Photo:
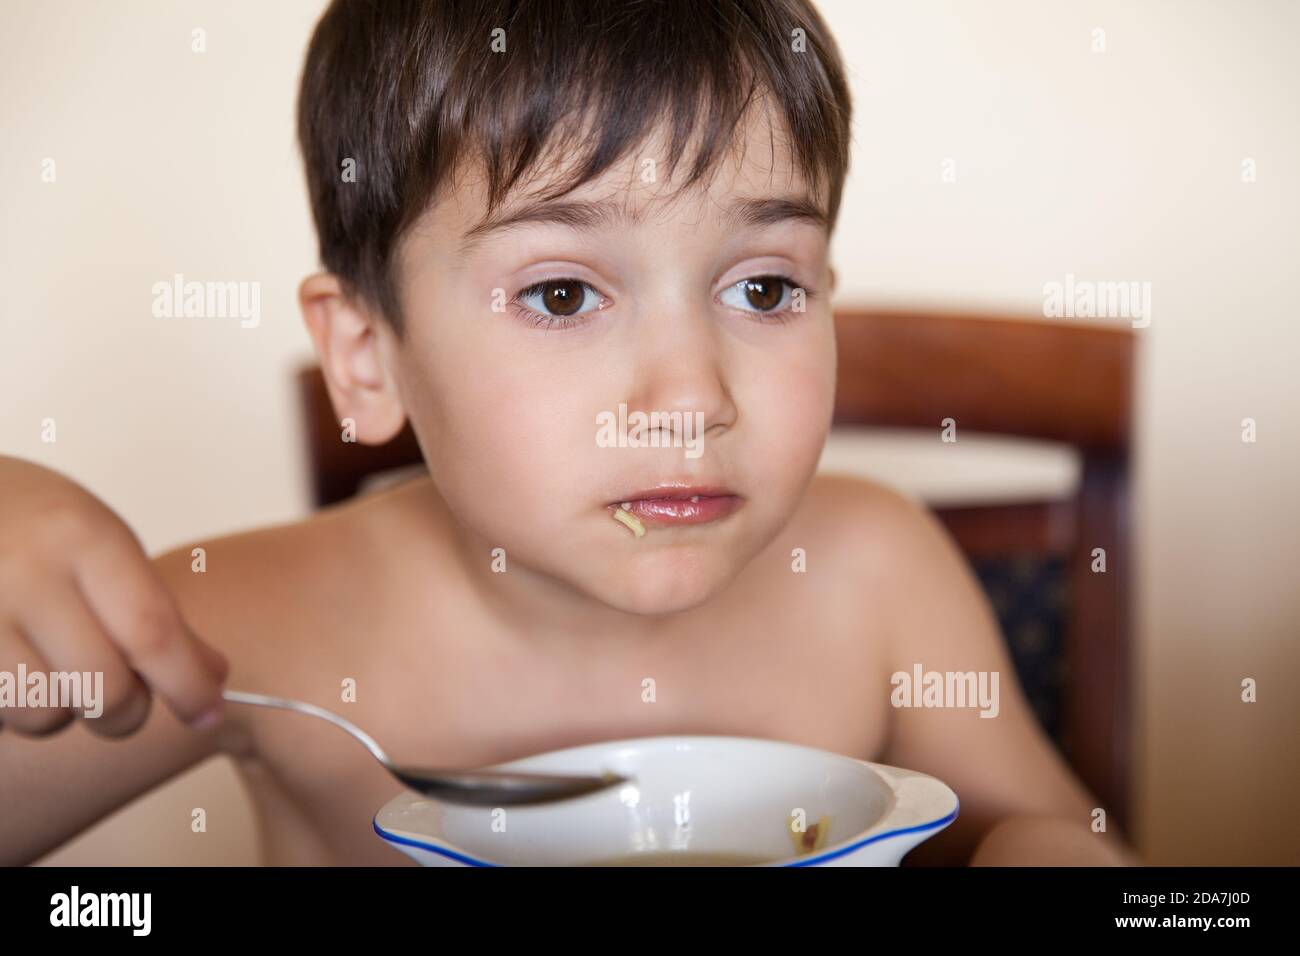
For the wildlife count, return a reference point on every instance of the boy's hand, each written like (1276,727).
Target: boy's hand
(77,593)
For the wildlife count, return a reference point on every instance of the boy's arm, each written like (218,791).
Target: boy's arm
(1020,802)
(54,787)
(79,596)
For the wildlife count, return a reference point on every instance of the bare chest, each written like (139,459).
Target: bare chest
(777,676)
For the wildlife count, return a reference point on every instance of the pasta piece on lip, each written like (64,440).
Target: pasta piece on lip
(625,517)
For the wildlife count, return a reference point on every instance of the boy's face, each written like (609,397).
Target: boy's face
(646,307)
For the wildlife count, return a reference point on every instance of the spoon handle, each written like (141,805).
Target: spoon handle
(284,703)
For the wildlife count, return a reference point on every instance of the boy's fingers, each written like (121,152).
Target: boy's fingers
(127,713)
(217,663)
(137,610)
(15,649)
(71,640)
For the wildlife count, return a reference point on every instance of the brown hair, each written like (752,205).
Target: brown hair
(407,88)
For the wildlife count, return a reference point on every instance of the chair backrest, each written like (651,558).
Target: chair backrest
(1068,383)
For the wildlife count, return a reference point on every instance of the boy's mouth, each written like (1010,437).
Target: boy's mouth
(673,504)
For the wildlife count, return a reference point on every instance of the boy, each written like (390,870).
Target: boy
(534,217)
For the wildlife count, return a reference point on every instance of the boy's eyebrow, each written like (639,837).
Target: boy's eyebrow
(589,216)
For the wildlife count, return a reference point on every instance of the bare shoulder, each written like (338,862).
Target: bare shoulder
(857,496)
(271,598)
(901,561)
(259,571)
(874,528)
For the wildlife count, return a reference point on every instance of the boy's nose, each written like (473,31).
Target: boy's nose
(680,368)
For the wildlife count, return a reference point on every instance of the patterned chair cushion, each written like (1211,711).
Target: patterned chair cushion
(1029,596)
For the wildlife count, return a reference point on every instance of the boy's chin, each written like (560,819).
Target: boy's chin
(666,585)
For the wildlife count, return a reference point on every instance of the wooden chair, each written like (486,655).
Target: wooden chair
(1068,383)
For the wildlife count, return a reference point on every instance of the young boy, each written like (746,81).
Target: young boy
(536,217)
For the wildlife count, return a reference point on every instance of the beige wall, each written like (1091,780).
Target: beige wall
(1122,165)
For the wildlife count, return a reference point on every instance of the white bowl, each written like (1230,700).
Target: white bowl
(703,794)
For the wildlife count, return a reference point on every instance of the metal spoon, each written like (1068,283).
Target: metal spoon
(493,788)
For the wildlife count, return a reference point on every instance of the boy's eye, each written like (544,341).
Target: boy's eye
(560,297)
(758,294)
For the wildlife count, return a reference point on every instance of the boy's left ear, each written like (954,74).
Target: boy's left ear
(834,279)
(346,337)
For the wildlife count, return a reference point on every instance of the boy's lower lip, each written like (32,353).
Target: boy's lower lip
(699,509)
